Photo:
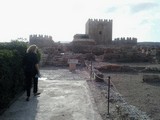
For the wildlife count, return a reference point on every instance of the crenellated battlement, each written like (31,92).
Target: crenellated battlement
(41,40)
(127,40)
(46,37)
(100,20)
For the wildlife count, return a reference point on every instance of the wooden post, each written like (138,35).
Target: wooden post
(108,92)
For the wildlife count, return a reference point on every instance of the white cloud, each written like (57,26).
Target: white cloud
(135,19)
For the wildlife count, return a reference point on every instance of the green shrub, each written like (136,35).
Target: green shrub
(11,71)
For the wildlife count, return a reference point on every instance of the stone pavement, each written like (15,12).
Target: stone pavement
(64,95)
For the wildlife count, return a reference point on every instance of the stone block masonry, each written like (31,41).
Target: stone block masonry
(41,40)
(100,31)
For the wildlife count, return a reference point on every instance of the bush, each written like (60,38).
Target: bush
(11,71)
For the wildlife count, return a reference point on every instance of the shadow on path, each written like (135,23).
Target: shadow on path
(21,109)
(64,96)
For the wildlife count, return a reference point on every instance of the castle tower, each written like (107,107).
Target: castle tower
(100,31)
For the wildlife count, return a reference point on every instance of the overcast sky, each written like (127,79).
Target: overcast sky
(62,19)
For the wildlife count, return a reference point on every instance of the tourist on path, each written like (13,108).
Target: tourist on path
(31,69)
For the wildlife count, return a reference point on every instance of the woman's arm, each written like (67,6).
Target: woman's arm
(37,68)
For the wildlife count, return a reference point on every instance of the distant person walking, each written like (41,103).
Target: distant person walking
(31,69)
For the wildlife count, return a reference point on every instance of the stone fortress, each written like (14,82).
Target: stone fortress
(99,32)
(97,40)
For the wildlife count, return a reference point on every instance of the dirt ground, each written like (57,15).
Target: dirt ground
(144,96)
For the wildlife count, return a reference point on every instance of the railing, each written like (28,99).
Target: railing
(92,72)
(107,79)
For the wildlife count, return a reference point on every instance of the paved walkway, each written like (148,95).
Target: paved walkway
(64,96)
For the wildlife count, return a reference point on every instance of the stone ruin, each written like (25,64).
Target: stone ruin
(98,41)
(115,68)
(61,53)
(126,54)
(151,78)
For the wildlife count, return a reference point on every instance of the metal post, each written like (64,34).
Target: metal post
(91,71)
(108,92)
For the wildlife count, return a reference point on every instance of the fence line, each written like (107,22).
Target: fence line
(92,72)
(110,82)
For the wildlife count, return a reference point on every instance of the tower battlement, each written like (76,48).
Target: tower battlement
(46,37)
(100,20)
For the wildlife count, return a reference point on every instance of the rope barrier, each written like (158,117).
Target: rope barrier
(94,73)
(110,82)
(97,75)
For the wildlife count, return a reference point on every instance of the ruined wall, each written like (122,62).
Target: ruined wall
(99,30)
(41,40)
(126,54)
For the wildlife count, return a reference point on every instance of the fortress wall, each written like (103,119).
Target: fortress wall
(123,40)
(41,40)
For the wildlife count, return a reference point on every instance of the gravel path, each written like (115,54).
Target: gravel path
(64,95)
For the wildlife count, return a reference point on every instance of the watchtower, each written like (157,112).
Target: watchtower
(99,30)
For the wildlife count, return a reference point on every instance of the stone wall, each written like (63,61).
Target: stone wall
(125,54)
(41,40)
(100,31)
(125,41)
(83,42)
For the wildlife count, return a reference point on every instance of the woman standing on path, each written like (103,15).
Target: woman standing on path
(31,69)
